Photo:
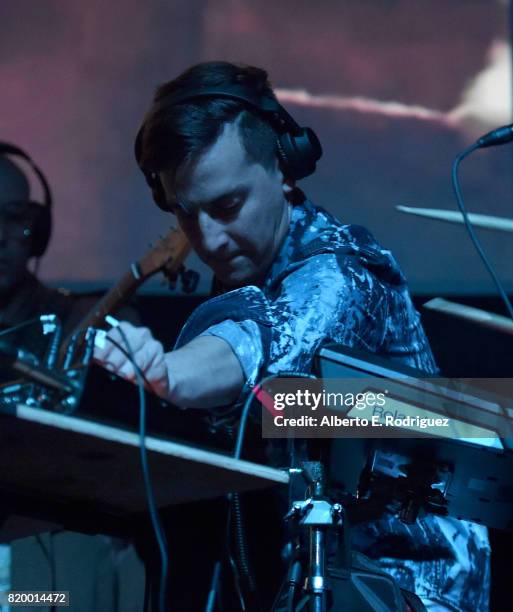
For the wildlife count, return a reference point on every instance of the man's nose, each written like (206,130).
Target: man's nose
(213,235)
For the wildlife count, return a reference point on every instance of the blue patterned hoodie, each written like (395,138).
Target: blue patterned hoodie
(334,283)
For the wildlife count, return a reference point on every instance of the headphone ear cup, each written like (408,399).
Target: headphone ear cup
(41,230)
(153,181)
(299,153)
(157,190)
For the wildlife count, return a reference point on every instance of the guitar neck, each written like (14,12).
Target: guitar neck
(170,254)
(113,299)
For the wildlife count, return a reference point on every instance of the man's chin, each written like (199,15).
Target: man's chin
(236,277)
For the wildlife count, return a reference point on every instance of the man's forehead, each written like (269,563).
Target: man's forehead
(221,168)
(13,182)
(15,207)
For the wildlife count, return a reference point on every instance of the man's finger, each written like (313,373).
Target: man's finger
(127,371)
(145,357)
(128,336)
(117,359)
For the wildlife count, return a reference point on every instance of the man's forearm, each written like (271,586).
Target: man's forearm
(204,373)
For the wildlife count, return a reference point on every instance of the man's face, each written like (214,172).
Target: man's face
(232,209)
(16,221)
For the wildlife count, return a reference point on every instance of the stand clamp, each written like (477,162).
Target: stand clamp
(319,515)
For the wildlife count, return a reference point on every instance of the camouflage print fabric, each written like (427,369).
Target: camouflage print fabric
(446,562)
(334,283)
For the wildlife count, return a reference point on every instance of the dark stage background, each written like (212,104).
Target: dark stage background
(394,88)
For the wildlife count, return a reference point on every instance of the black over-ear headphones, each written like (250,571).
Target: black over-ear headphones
(42,228)
(298,147)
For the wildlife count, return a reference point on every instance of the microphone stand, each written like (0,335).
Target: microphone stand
(52,325)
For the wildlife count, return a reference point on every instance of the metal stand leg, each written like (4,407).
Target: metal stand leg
(371,589)
(319,515)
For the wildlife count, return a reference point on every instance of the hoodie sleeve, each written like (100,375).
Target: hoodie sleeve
(327,298)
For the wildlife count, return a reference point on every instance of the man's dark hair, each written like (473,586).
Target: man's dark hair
(175,134)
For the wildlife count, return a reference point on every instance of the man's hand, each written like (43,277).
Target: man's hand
(202,374)
(148,354)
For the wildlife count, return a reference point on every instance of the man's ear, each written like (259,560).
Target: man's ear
(288,186)
(292,193)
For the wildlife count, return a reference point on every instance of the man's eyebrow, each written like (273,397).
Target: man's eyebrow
(240,189)
(190,205)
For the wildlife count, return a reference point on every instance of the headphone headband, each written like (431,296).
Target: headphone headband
(298,148)
(265,104)
(10,149)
